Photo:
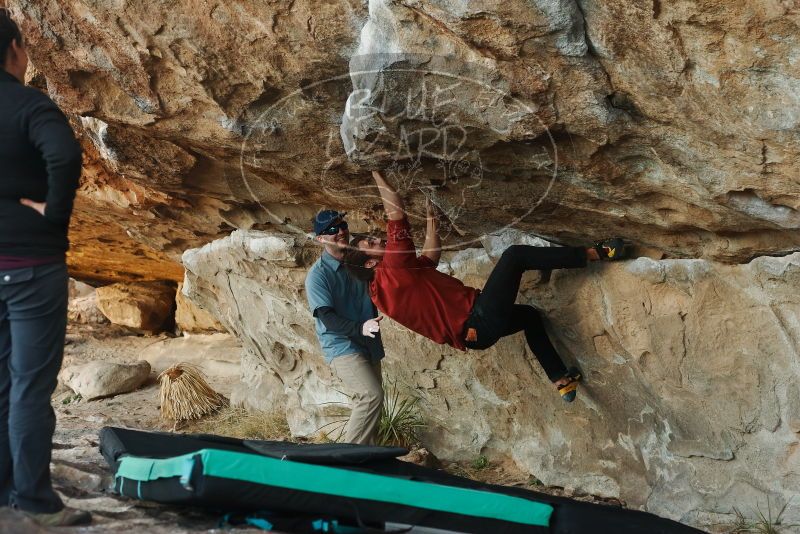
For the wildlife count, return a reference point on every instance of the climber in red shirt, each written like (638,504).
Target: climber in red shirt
(409,289)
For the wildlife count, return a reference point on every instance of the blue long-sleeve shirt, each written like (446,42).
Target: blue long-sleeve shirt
(40,160)
(329,286)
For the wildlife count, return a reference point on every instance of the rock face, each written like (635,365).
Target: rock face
(83,304)
(190,317)
(78,289)
(144,306)
(674,125)
(691,399)
(279,357)
(99,379)
(164,110)
(636,105)
(218,355)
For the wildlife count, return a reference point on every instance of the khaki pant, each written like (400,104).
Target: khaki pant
(362,378)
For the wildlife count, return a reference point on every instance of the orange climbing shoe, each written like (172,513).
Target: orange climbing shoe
(611,249)
(569,390)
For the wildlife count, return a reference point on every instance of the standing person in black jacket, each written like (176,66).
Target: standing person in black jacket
(40,164)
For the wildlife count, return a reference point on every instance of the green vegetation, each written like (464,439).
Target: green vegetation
(399,424)
(76,397)
(533,481)
(481,462)
(762,524)
(400,421)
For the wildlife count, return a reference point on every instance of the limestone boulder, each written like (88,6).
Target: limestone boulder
(143,306)
(279,351)
(689,405)
(218,355)
(99,379)
(66,475)
(78,289)
(422,457)
(189,317)
(18,521)
(82,307)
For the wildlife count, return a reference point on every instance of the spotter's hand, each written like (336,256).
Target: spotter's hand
(369,328)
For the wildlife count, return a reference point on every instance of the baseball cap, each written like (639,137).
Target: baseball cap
(325,218)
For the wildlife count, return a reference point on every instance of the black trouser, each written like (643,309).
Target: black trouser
(33,320)
(495,315)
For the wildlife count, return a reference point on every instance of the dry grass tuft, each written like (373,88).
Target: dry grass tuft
(236,422)
(185,394)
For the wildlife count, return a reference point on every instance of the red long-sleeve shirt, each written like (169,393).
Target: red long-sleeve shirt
(411,291)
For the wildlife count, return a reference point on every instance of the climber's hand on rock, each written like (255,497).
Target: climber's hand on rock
(432,211)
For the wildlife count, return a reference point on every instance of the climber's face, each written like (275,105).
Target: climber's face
(372,246)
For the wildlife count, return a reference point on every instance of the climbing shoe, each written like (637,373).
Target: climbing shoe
(611,249)
(569,390)
(66,517)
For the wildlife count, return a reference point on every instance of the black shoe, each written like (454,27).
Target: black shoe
(611,249)
(66,517)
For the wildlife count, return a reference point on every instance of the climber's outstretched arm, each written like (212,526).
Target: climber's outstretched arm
(392,203)
(433,244)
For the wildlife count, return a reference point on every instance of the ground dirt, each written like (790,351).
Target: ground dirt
(82,477)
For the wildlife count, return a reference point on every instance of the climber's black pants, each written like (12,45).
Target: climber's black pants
(496,315)
(33,320)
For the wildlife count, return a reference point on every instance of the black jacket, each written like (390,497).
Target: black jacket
(39,160)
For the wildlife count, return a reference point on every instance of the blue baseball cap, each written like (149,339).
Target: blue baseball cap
(325,218)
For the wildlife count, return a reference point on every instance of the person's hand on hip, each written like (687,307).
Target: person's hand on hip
(38,206)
